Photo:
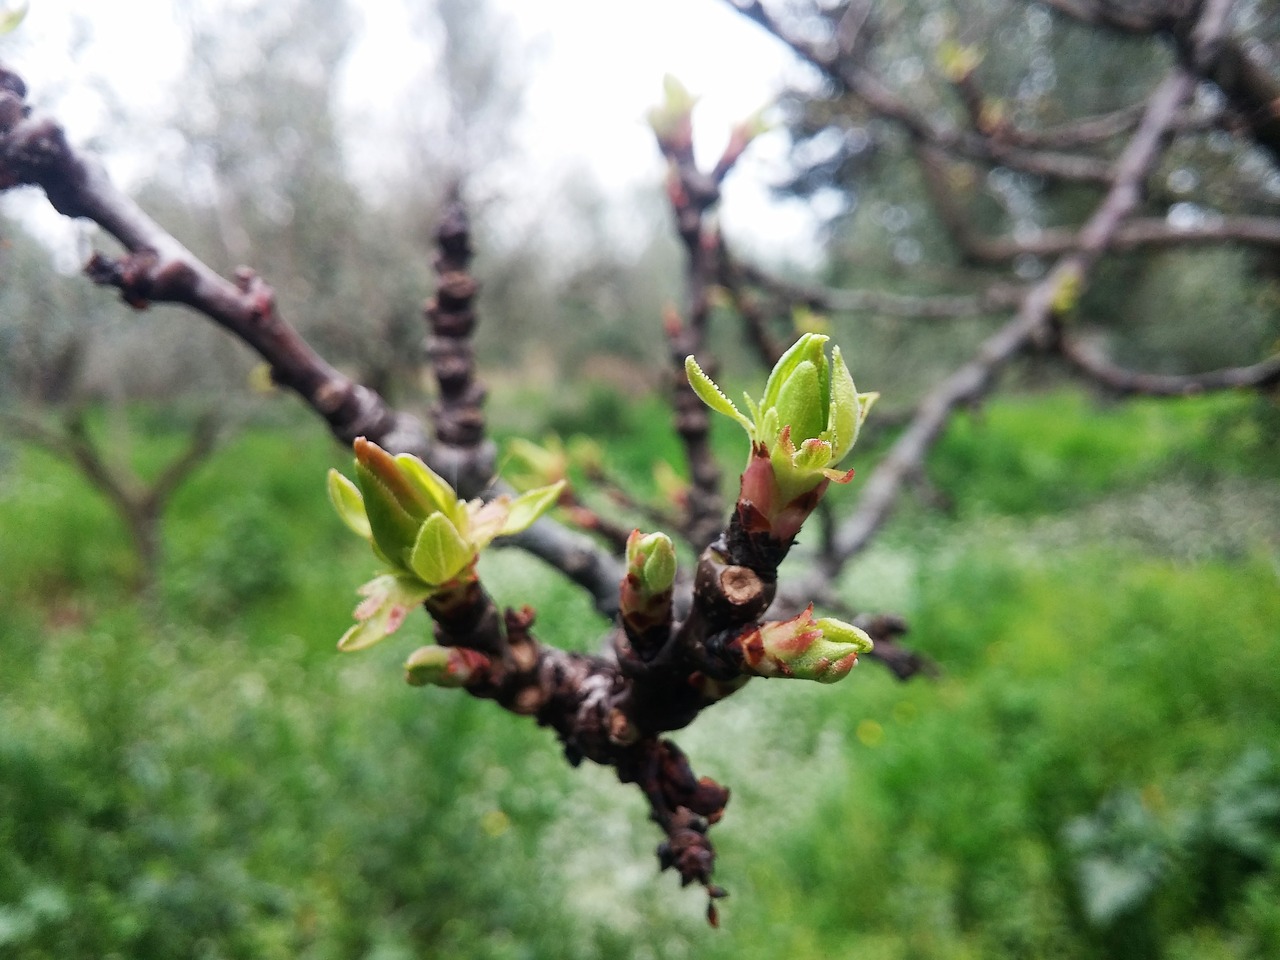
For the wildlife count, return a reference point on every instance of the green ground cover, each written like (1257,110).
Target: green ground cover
(1094,774)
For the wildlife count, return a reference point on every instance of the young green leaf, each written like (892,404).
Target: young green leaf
(388,600)
(346,499)
(440,553)
(711,395)
(529,506)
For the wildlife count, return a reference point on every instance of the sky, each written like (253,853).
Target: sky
(597,68)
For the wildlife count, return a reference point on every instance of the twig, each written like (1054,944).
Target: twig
(1199,32)
(997,297)
(157,268)
(691,193)
(883,102)
(457,415)
(1092,363)
(975,378)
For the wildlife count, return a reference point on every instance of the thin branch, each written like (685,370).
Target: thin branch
(157,268)
(1204,45)
(1141,233)
(1096,366)
(882,101)
(997,297)
(734,277)
(458,413)
(1072,134)
(204,438)
(691,194)
(975,379)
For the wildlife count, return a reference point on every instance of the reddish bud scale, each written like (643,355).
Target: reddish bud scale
(760,506)
(464,668)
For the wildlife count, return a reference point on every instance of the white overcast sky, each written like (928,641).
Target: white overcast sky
(605,57)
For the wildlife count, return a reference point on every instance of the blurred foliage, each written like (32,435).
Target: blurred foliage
(1094,775)
(1175,311)
(260,163)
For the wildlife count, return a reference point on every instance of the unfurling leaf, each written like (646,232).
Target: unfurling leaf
(710,394)
(440,553)
(529,506)
(346,499)
(388,600)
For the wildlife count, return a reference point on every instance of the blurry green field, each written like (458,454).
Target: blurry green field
(1095,774)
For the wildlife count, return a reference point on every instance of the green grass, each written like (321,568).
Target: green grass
(1094,774)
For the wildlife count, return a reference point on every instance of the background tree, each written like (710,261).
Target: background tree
(661,672)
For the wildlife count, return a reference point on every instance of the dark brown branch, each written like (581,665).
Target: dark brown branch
(691,193)
(457,415)
(157,268)
(1132,15)
(975,379)
(599,714)
(614,710)
(1233,65)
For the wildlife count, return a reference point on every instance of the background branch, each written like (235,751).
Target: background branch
(880,491)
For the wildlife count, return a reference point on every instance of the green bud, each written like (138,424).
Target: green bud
(417,525)
(671,118)
(444,666)
(806,422)
(395,508)
(803,648)
(651,561)
(416,522)
(12,13)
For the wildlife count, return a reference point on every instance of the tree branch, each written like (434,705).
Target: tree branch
(974,379)
(883,102)
(157,268)
(1199,31)
(996,298)
(1096,366)
(137,503)
(691,193)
